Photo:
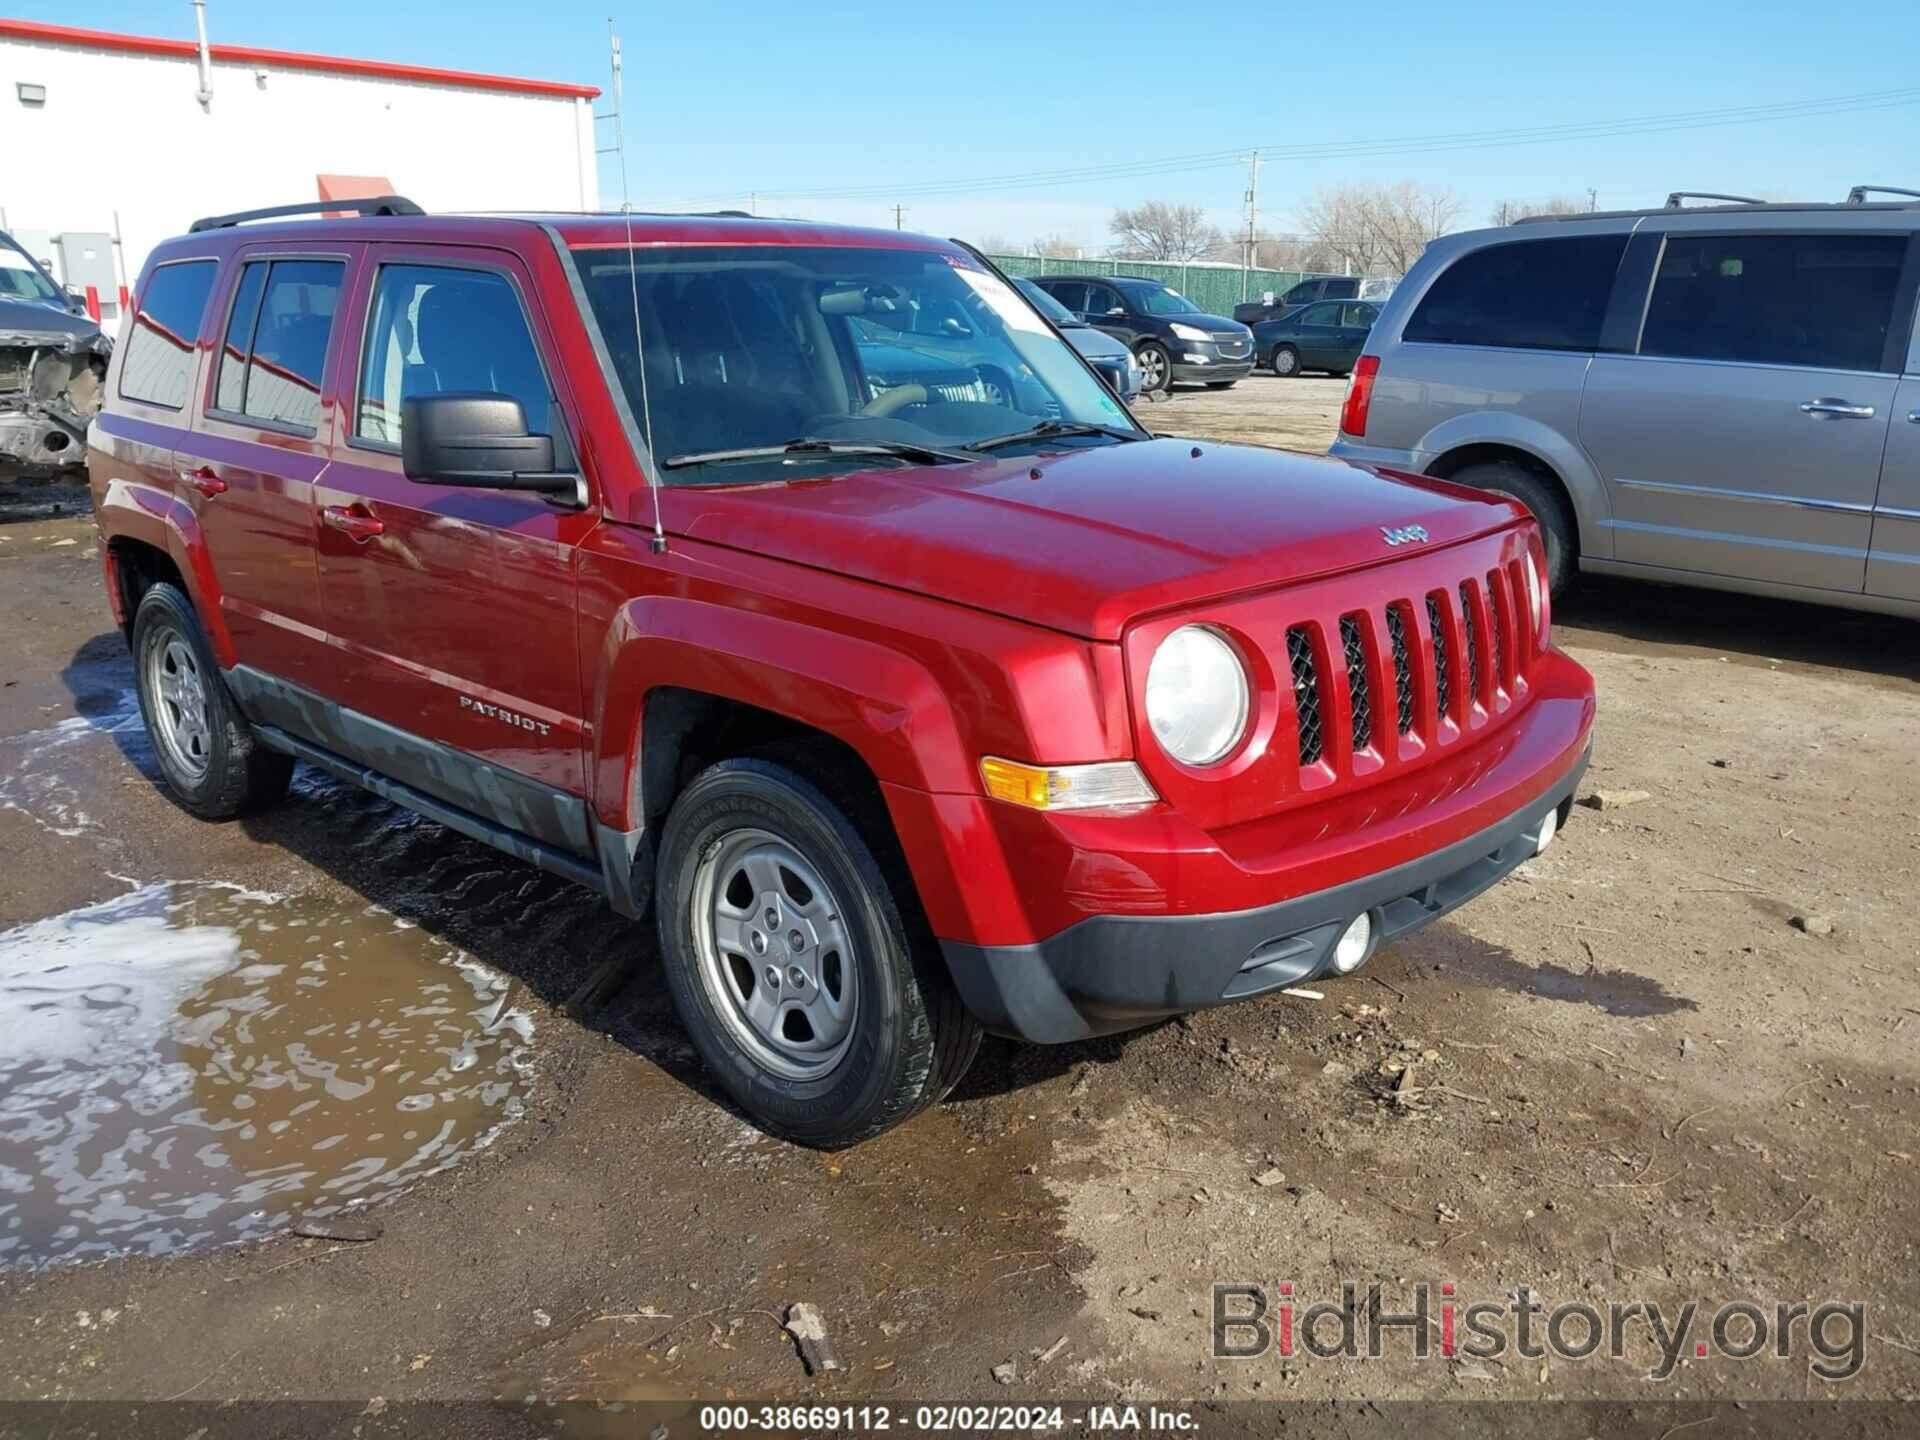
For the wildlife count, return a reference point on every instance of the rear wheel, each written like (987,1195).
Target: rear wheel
(1542,497)
(799,962)
(206,750)
(1285,362)
(1156,366)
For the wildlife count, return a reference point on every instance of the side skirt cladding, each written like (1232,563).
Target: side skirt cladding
(522,817)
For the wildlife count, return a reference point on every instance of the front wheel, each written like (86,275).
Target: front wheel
(1286,361)
(799,965)
(1156,367)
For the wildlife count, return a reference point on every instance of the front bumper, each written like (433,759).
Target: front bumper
(1197,363)
(1116,972)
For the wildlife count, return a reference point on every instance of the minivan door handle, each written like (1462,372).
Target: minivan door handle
(354,522)
(1827,407)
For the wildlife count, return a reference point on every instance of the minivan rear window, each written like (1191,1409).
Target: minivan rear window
(158,366)
(1823,301)
(1525,295)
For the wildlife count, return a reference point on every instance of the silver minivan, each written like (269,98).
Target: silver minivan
(1724,395)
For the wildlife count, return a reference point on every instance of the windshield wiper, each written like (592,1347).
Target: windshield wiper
(1047,429)
(808,445)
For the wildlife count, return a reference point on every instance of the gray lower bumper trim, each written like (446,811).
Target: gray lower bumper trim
(1116,972)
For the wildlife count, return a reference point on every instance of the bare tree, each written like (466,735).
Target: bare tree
(1159,231)
(994,243)
(1508,211)
(1056,247)
(1380,229)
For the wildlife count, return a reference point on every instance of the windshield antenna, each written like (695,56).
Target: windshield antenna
(633,290)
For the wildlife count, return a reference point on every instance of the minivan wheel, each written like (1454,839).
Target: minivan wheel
(1156,366)
(801,969)
(207,752)
(1286,361)
(1549,509)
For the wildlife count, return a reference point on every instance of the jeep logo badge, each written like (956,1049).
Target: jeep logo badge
(1403,534)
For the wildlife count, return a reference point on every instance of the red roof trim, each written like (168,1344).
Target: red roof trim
(286,59)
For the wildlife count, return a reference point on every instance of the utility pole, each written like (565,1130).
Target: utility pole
(1593,199)
(899,212)
(1253,225)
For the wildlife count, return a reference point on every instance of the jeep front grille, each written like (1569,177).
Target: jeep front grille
(1442,658)
(1306,694)
(1402,667)
(1359,694)
(1499,632)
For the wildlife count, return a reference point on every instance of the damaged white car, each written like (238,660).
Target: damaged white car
(53,369)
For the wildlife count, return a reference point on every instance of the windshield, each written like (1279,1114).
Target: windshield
(1162,300)
(758,346)
(1045,303)
(20,278)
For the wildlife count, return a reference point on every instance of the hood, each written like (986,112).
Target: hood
(29,322)
(1087,540)
(1218,324)
(1094,344)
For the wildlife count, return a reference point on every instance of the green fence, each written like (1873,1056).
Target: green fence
(1214,288)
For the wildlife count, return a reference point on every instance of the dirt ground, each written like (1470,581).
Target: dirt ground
(1672,1060)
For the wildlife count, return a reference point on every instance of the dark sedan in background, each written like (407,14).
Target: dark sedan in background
(1113,360)
(1326,335)
(1173,338)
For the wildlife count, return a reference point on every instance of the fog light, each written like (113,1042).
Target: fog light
(1549,827)
(1354,941)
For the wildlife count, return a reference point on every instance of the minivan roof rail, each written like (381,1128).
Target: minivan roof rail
(1674,200)
(1858,194)
(371,205)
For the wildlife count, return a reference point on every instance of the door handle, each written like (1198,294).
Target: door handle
(205,481)
(1913,417)
(355,522)
(1830,408)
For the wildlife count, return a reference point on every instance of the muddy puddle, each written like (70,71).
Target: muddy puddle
(193,1064)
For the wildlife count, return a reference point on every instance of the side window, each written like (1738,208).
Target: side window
(439,329)
(275,346)
(1325,313)
(158,367)
(1102,299)
(1526,294)
(1824,301)
(231,390)
(1356,316)
(1070,293)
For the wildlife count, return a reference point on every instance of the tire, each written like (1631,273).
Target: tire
(898,1038)
(1156,363)
(1285,362)
(1221,384)
(1549,508)
(207,752)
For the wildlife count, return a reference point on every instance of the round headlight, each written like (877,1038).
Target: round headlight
(1197,695)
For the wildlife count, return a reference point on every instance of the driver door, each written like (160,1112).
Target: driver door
(1102,303)
(452,608)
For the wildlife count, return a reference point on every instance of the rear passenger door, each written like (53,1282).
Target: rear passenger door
(1317,327)
(452,609)
(260,442)
(1744,436)
(1893,559)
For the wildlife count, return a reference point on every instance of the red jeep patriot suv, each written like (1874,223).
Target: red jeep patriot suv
(804,584)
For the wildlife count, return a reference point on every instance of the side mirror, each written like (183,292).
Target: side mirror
(479,439)
(1118,310)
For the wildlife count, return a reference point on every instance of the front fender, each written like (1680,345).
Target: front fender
(1560,453)
(883,704)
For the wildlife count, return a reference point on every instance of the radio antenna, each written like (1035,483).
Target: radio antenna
(651,468)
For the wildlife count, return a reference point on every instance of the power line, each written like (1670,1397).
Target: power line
(1371,148)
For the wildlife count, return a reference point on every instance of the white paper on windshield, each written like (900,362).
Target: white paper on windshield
(1014,312)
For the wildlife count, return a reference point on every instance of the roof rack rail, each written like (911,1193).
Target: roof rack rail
(1858,194)
(1674,199)
(372,205)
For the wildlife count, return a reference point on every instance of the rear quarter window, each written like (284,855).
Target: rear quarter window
(1523,295)
(158,366)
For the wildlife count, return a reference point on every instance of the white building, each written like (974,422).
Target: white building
(132,138)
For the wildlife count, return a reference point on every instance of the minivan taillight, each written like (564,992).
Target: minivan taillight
(1353,415)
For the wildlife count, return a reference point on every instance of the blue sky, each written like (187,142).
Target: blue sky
(792,100)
